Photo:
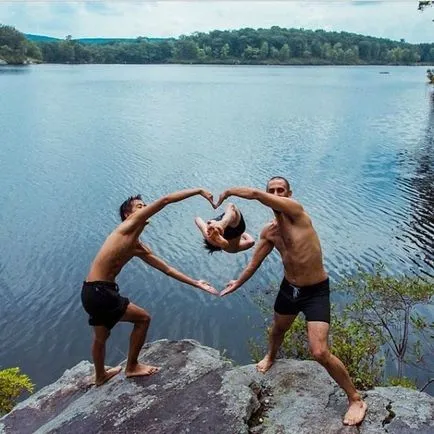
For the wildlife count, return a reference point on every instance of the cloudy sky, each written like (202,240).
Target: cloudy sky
(108,18)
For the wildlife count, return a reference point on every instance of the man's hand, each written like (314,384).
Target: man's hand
(231,286)
(205,286)
(214,228)
(208,196)
(222,198)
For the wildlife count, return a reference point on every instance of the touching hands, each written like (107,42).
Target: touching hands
(208,196)
(205,286)
(214,228)
(231,286)
(223,196)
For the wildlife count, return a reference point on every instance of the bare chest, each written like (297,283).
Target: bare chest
(284,235)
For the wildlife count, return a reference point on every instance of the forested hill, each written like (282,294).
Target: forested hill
(244,46)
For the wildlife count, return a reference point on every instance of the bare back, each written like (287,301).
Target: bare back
(299,247)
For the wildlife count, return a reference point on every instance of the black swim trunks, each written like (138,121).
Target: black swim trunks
(312,300)
(102,301)
(231,233)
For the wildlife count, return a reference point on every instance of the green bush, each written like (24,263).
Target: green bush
(389,307)
(12,384)
(403,382)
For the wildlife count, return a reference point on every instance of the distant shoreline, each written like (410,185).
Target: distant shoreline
(424,64)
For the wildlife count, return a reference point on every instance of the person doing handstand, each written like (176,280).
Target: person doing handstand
(100,293)
(225,232)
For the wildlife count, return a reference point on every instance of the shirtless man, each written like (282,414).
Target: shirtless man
(305,286)
(100,294)
(225,232)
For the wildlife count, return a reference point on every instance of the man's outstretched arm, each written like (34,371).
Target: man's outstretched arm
(283,204)
(263,249)
(142,215)
(146,254)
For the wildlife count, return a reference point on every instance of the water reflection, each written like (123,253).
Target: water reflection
(421,228)
(13,69)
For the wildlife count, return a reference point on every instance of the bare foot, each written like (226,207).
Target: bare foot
(109,373)
(356,413)
(265,364)
(141,370)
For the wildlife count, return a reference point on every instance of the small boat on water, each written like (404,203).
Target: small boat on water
(384,72)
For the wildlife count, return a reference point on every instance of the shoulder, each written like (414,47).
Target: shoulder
(266,230)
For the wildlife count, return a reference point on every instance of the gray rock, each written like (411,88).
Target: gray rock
(3,62)
(198,391)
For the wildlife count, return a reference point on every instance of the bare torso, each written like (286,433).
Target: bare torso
(116,251)
(299,247)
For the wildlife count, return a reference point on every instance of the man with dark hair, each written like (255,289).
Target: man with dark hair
(305,286)
(225,232)
(100,294)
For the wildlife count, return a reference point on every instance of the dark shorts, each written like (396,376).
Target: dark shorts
(102,301)
(313,300)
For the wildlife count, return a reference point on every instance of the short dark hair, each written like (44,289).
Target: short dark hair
(283,179)
(127,206)
(211,247)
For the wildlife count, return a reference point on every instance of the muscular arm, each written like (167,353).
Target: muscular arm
(263,249)
(146,254)
(286,205)
(141,216)
(246,242)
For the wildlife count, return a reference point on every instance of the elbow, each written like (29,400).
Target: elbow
(165,200)
(255,194)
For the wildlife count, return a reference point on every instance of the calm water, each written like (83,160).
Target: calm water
(75,141)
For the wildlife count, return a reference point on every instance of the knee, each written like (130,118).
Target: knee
(144,320)
(101,340)
(321,355)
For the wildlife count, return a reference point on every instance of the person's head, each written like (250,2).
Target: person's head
(130,206)
(279,186)
(211,247)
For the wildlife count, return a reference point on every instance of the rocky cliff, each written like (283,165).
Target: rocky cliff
(198,391)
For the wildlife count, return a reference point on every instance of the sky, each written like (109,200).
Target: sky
(153,18)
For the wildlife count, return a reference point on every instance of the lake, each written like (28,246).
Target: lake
(77,140)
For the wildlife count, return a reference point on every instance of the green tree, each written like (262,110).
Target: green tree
(13,45)
(388,307)
(12,385)
(424,4)
(285,53)
(225,51)
(186,49)
(264,50)
(274,52)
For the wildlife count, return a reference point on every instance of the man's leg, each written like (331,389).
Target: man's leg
(318,342)
(281,325)
(141,320)
(102,375)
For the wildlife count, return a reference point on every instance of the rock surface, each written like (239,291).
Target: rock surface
(198,391)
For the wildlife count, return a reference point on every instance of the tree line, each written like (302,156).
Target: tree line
(244,46)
